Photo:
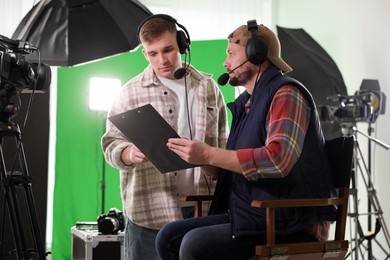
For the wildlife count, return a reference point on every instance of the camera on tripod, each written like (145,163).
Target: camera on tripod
(112,222)
(364,106)
(17,75)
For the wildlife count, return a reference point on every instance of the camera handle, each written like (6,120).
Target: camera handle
(11,179)
(384,145)
(348,129)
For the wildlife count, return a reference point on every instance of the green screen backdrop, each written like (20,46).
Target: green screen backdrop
(79,158)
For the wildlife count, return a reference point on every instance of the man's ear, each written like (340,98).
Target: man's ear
(145,54)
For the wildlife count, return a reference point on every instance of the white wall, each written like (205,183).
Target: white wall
(212,19)
(11,12)
(355,35)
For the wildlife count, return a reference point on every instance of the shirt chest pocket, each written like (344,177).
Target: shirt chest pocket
(212,122)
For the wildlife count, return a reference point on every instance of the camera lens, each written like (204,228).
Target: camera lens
(108,225)
(111,222)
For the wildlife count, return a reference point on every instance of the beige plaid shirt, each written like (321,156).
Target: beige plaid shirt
(149,197)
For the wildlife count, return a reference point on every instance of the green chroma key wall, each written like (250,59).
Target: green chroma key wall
(78,165)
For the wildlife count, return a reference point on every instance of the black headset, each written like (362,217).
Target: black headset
(256,50)
(182,37)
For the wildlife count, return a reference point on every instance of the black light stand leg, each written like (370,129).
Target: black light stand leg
(10,180)
(103,184)
(369,187)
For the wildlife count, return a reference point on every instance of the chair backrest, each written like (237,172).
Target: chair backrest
(340,155)
(340,158)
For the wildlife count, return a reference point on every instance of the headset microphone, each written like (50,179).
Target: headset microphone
(224,78)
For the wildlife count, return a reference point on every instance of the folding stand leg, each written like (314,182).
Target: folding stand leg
(11,179)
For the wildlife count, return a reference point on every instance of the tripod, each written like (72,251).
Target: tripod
(10,180)
(359,237)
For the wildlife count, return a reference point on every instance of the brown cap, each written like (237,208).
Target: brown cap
(242,35)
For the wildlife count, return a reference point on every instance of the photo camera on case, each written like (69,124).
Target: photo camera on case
(111,223)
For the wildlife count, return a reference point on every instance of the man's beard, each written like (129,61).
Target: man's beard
(243,78)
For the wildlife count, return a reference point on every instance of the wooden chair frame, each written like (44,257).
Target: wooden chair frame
(340,155)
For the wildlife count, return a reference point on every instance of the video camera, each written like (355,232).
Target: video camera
(364,106)
(17,75)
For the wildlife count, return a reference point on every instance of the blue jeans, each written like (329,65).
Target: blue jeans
(208,237)
(140,241)
(211,238)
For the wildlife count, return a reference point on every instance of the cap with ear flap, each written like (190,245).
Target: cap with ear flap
(243,36)
(182,36)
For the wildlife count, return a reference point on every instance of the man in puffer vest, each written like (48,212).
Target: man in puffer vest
(275,150)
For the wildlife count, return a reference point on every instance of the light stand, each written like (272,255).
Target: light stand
(359,237)
(102,92)
(103,183)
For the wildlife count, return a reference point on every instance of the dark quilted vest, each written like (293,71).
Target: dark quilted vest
(309,177)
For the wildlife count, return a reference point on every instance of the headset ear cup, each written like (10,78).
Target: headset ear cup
(182,42)
(256,50)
